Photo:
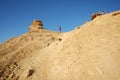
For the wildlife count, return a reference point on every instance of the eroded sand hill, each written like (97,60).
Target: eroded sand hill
(89,52)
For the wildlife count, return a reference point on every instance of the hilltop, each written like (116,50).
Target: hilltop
(89,52)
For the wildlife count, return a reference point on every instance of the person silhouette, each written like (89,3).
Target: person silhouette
(60,29)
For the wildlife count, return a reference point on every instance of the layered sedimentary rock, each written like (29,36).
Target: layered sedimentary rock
(36,24)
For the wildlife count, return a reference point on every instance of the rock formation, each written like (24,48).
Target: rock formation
(91,52)
(93,16)
(36,24)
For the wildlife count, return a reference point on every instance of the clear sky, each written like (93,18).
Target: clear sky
(17,15)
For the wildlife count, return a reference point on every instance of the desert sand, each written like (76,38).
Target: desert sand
(89,52)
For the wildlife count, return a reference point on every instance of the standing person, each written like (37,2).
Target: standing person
(60,29)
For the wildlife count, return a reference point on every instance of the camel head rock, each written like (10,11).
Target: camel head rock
(36,24)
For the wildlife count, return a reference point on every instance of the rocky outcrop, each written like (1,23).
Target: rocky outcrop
(36,24)
(93,16)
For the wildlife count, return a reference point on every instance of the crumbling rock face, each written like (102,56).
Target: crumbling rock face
(36,24)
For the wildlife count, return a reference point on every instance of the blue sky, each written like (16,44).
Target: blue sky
(17,15)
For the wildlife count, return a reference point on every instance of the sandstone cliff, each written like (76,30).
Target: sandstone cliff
(89,52)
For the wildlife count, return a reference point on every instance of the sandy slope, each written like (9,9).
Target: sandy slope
(90,52)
